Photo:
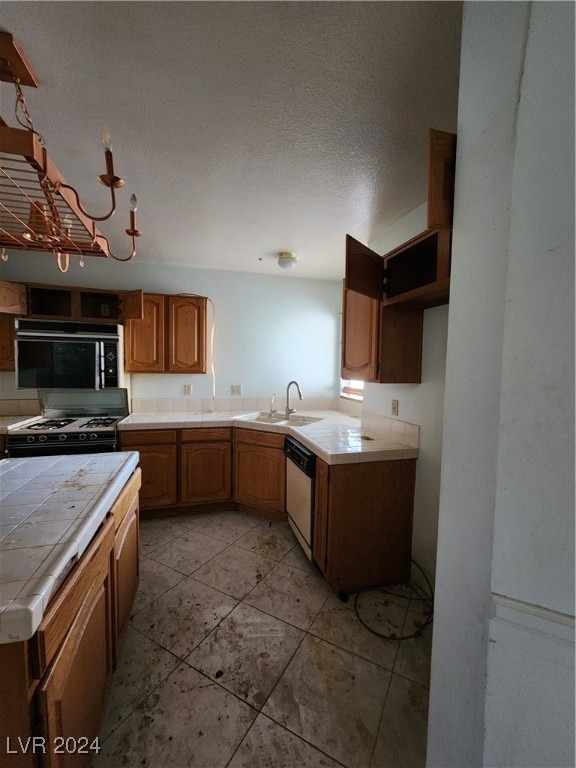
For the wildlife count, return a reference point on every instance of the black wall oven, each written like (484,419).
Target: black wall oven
(56,354)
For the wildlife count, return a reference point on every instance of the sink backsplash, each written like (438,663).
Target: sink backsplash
(229,405)
(403,431)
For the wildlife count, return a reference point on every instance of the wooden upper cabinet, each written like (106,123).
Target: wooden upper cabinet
(417,273)
(170,338)
(132,305)
(144,339)
(379,343)
(12,298)
(360,337)
(7,339)
(186,334)
(441,169)
(60,303)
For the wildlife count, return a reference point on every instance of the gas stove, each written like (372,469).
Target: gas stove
(70,425)
(73,421)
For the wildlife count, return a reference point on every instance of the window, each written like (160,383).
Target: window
(352,388)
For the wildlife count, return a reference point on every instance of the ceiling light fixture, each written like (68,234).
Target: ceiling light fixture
(39,211)
(286,260)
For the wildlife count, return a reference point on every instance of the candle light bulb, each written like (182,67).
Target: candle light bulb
(107,140)
(133,203)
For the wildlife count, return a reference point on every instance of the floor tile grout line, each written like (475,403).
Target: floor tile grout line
(292,733)
(380,721)
(352,653)
(179,660)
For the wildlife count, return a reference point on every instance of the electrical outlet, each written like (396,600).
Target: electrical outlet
(394,407)
(187,389)
(236,389)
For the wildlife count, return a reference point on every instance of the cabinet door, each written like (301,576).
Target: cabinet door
(360,315)
(441,170)
(12,298)
(320,538)
(186,334)
(132,307)
(72,695)
(206,472)
(364,269)
(158,464)
(401,345)
(126,574)
(7,338)
(144,339)
(260,476)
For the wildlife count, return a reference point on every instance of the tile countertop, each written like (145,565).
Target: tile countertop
(336,438)
(50,509)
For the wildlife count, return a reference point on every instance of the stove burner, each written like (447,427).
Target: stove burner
(51,424)
(100,421)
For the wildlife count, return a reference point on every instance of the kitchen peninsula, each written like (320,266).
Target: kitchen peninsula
(362,497)
(68,575)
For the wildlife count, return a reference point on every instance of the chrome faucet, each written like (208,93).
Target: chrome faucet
(288,409)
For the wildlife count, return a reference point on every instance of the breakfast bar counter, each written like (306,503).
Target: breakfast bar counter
(50,510)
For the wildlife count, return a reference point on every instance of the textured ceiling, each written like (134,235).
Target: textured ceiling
(245,128)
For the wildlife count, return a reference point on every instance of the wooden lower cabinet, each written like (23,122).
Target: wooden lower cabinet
(206,465)
(126,570)
(158,462)
(71,698)
(363,523)
(53,686)
(260,470)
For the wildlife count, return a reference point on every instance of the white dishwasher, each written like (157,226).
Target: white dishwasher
(300,472)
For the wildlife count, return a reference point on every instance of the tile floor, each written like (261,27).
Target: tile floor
(238,655)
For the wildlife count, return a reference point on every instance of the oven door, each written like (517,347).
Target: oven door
(59,364)
(18,449)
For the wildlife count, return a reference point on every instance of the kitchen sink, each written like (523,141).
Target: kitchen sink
(296,420)
(265,418)
(301,421)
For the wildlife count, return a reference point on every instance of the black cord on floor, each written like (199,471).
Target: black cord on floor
(427,599)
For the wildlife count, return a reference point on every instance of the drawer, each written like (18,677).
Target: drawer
(211,435)
(257,437)
(128,499)
(147,437)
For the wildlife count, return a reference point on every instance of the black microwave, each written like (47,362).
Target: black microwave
(68,355)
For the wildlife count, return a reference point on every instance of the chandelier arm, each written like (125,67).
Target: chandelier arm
(60,185)
(118,258)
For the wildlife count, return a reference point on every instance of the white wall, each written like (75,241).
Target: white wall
(502,685)
(268,329)
(421,404)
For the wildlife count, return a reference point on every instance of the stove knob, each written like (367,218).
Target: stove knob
(82,436)
(62,437)
(42,438)
(30,438)
(93,436)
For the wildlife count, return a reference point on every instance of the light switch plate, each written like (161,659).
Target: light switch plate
(236,389)
(394,407)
